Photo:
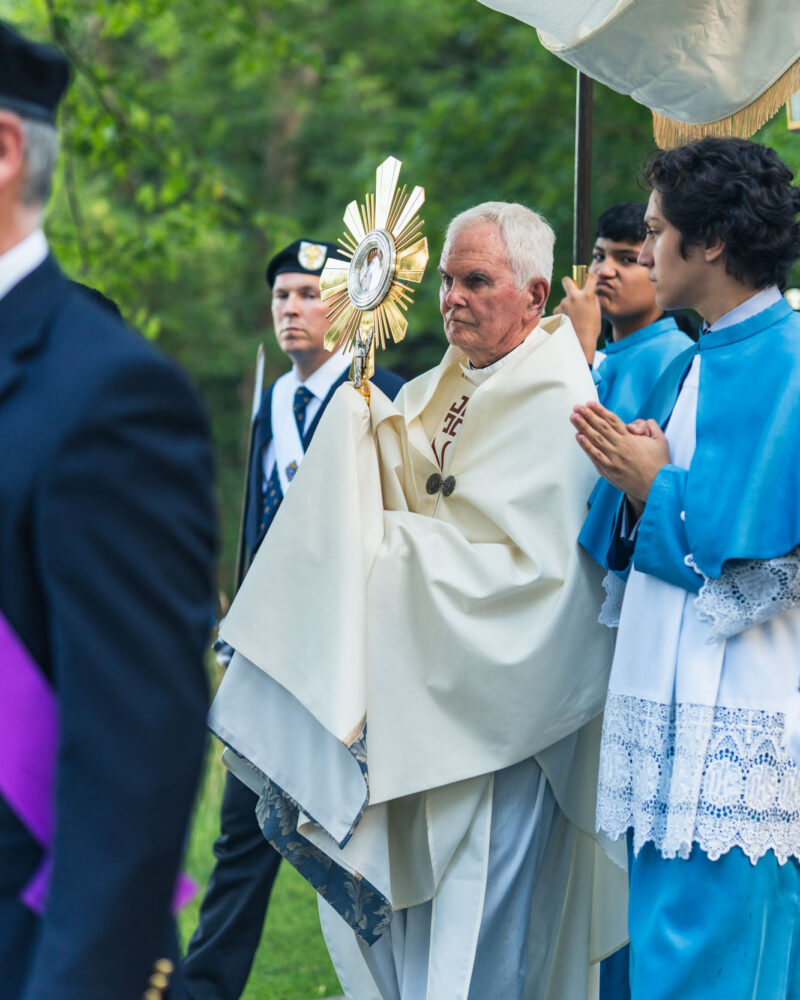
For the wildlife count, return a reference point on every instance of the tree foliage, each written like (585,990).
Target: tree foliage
(199,138)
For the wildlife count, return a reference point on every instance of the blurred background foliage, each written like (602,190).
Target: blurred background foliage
(199,137)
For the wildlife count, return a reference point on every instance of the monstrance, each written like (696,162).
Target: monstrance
(370,294)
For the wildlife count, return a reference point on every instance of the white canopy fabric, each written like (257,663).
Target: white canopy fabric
(727,65)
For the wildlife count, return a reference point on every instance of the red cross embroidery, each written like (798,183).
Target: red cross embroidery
(454,417)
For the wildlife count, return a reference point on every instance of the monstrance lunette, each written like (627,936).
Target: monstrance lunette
(370,294)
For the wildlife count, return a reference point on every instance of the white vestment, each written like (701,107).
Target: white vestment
(454,636)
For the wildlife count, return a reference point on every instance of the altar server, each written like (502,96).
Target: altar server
(701,511)
(642,338)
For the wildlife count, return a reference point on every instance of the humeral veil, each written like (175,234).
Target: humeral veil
(445,637)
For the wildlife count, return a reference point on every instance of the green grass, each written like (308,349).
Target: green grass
(292,962)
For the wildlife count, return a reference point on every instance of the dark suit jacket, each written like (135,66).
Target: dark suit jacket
(107,536)
(386,381)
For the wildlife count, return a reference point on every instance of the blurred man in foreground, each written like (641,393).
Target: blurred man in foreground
(423,755)
(107,536)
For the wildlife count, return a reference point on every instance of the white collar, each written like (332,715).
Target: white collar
(750,307)
(320,381)
(479,375)
(18,262)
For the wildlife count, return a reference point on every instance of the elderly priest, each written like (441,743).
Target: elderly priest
(426,755)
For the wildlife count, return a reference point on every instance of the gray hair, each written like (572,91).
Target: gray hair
(527,236)
(41,153)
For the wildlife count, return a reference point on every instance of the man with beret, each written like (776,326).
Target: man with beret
(222,949)
(107,533)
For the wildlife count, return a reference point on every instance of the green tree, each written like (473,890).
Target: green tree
(199,138)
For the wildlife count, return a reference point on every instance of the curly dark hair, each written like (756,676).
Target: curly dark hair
(735,191)
(623,222)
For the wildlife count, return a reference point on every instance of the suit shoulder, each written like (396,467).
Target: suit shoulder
(95,350)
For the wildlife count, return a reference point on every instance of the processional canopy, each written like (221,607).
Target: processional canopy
(704,67)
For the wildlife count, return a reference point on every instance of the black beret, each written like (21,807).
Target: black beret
(302,257)
(33,77)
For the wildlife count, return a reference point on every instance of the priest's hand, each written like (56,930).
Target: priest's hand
(629,456)
(582,308)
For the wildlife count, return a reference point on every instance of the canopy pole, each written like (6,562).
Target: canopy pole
(582,227)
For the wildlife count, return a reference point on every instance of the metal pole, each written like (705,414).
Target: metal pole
(582,229)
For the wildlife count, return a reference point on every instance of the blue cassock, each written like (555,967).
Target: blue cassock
(386,381)
(633,365)
(107,535)
(740,498)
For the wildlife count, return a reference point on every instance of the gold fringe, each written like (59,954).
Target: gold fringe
(669,133)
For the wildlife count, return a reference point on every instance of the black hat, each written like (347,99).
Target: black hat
(33,77)
(302,257)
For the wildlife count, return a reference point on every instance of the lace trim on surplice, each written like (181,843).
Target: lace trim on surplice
(685,774)
(748,592)
(614,587)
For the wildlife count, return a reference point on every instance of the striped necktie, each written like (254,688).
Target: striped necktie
(272,498)
(273,493)
(302,398)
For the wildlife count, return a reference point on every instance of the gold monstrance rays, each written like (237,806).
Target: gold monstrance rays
(387,252)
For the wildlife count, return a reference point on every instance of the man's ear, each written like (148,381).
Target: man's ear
(713,251)
(538,291)
(12,148)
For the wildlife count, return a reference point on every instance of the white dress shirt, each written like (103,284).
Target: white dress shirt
(18,262)
(286,443)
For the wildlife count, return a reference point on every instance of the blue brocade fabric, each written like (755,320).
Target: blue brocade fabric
(358,902)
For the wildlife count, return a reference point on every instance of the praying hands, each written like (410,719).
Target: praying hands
(629,456)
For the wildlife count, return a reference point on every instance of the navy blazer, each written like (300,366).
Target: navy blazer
(386,381)
(107,538)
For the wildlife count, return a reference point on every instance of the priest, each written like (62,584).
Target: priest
(426,755)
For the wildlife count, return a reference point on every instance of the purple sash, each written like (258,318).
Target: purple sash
(28,757)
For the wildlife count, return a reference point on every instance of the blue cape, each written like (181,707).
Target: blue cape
(632,366)
(740,497)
